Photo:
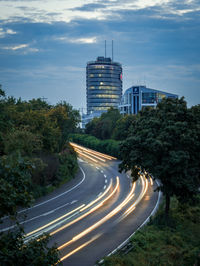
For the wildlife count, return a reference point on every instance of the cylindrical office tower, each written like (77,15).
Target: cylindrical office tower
(104,85)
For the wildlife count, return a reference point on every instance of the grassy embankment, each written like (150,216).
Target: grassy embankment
(159,243)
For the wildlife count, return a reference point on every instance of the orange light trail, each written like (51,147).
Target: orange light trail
(98,198)
(144,189)
(87,213)
(98,158)
(80,208)
(54,221)
(86,156)
(80,247)
(94,152)
(107,217)
(151,181)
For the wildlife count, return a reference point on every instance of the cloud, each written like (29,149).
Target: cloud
(24,47)
(4,32)
(84,40)
(47,11)
(16,47)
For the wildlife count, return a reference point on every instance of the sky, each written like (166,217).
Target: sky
(45,46)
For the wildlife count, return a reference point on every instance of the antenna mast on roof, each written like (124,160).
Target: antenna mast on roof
(112,51)
(105,48)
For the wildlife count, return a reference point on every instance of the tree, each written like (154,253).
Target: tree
(15,176)
(22,140)
(121,130)
(15,183)
(165,143)
(66,119)
(103,126)
(2,92)
(13,251)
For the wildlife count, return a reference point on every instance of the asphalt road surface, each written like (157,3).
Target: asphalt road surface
(93,214)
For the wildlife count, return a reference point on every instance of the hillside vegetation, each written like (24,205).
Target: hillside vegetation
(35,157)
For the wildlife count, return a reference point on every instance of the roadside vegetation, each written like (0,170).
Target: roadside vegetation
(105,133)
(109,146)
(161,143)
(39,133)
(35,157)
(176,243)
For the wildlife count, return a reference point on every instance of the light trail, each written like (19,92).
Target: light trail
(80,208)
(54,221)
(87,213)
(133,206)
(98,198)
(94,152)
(103,220)
(86,156)
(80,247)
(83,152)
(151,181)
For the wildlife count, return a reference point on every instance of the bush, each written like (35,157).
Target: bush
(108,146)
(67,167)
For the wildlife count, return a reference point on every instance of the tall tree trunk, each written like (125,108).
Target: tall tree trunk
(167,206)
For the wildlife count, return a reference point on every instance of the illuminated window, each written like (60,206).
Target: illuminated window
(98,66)
(106,96)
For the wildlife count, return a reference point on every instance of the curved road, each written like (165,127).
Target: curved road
(92,215)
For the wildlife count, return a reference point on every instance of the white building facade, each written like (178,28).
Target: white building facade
(138,97)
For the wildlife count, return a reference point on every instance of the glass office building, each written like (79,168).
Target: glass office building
(138,97)
(104,85)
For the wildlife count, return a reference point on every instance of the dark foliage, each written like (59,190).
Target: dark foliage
(165,142)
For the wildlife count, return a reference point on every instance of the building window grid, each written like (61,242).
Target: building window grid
(104,87)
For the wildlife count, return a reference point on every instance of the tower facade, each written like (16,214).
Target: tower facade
(103,85)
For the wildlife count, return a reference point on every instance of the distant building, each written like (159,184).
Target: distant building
(138,97)
(103,87)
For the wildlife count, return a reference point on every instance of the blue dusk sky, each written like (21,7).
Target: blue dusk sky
(45,46)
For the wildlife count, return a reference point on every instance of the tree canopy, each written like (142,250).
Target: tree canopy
(165,143)
(103,127)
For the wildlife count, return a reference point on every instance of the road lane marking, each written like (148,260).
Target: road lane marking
(63,216)
(106,181)
(91,228)
(60,195)
(36,217)
(103,220)
(97,168)
(74,201)
(44,202)
(98,198)
(104,187)
(86,214)
(47,213)
(55,222)
(105,176)
(102,171)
